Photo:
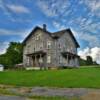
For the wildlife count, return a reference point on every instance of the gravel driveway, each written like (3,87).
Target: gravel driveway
(82,93)
(11,98)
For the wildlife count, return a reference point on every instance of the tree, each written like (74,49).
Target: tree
(89,60)
(13,55)
(82,62)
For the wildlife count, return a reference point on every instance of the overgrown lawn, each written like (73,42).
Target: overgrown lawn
(74,78)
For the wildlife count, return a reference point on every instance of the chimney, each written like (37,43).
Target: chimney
(44,27)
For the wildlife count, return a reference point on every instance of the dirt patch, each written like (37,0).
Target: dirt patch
(91,95)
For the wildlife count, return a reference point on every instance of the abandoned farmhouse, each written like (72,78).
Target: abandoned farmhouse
(45,49)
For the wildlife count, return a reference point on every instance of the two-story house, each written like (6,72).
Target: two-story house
(46,50)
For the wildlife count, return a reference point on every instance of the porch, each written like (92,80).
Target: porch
(37,59)
(71,59)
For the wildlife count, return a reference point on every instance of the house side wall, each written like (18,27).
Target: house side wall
(65,44)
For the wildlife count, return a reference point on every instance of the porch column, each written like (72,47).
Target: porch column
(71,60)
(31,61)
(67,59)
(35,60)
(40,62)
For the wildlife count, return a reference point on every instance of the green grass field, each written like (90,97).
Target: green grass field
(74,78)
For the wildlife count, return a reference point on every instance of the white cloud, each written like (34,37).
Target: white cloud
(93,5)
(93,52)
(18,8)
(45,9)
(3,47)
(58,25)
(93,40)
(23,32)
(53,7)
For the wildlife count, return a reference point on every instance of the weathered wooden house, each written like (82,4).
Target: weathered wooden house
(46,50)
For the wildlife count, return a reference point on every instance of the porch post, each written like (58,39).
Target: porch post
(35,60)
(67,59)
(31,61)
(40,62)
(71,61)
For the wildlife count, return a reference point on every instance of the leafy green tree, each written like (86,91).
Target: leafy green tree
(82,62)
(13,55)
(89,60)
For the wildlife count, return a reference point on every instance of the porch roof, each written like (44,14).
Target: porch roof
(36,53)
(70,54)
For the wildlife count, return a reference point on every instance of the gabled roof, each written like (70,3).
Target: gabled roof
(33,31)
(54,35)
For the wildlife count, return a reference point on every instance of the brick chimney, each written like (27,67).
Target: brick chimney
(44,27)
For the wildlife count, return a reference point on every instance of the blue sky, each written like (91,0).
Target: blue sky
(18,18)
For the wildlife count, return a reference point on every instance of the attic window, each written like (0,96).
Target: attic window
(38,36)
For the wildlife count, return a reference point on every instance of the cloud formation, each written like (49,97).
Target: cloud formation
(94,6)
(15,12)
(23,32)
(79,15)
(18,8)
(53,7)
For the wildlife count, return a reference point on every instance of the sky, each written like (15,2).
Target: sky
(19,17)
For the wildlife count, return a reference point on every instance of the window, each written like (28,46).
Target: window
(41,46)
(59,46)
(60,59)
(34,49)
(38,36)
(48,59)
(28,48)
(71,49)
(48,44)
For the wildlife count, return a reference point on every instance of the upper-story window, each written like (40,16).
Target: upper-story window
(59,45)
(28,48)
(41,45)
(38,36)
(48,44)
(34,49)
